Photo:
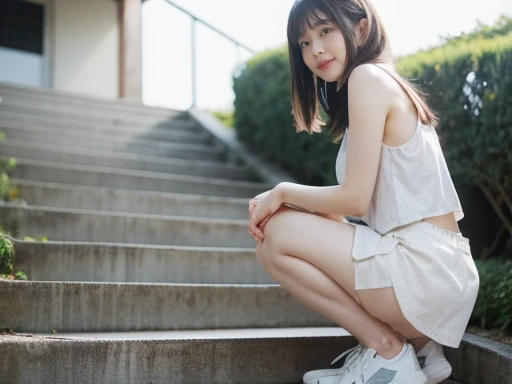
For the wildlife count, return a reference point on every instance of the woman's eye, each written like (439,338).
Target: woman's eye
(303,44)
(326,31)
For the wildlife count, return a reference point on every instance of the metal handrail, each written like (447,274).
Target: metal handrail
(196,19)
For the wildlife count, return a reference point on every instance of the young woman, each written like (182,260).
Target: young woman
(406,283)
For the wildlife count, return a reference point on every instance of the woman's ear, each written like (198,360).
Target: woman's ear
(362,31)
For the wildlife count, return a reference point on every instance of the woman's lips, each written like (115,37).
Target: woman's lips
(325,64)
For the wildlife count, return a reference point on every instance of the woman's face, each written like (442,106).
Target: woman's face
(323,49)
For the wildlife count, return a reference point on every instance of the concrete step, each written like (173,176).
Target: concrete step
(97,103)
(101,227)
(250,356)
(133,180)
(56,108)
(79,140)
(119,200)
(27,115)
(55,126)
(21,106)
(32,306)
(66,261)
(92,157)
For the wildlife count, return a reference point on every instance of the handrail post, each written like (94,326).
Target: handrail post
(194,67)
(193,63)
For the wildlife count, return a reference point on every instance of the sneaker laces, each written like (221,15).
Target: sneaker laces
(353,353)
(357,366)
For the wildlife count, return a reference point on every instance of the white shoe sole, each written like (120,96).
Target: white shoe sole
(437,371)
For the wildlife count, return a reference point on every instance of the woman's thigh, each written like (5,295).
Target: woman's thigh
(327,244)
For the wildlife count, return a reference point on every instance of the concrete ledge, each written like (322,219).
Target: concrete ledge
(164,357)
(66,261)
(119,307)
(99,227)
(133,180)
(258,360)
(481,361)
(126,201)
(227,137)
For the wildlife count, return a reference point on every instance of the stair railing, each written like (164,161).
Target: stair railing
(196,20)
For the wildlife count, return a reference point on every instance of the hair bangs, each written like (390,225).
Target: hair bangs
(303,16)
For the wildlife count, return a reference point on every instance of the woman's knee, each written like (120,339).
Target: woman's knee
(269,251)
(266,254)
(278,225)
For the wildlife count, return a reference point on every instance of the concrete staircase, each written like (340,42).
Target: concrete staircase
(149,275)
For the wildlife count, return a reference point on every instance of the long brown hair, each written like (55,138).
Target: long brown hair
(308,90)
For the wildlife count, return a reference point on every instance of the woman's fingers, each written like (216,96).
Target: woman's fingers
(252,205)
(264,224)
(255,232)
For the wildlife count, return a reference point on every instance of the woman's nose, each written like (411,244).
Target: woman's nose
(318,48)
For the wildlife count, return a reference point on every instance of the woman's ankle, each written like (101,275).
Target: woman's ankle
(389,347)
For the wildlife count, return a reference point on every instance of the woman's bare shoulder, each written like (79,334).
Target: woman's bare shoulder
(373,76)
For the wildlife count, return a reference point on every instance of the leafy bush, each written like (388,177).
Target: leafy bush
(503,26)
(469,85)
(493,307)
(7,261)
(226,117)
(6,166)
(264,122)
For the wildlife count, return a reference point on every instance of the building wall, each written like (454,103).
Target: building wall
(85,48)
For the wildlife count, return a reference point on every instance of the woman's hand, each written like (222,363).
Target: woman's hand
(261,208)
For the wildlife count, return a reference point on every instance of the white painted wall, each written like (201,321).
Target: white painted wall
(20,67)
(86,47)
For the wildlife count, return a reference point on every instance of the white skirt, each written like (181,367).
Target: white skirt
(431,270)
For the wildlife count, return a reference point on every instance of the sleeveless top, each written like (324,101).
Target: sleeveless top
(413,182)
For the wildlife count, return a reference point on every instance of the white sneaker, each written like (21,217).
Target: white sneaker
(370,368)
(431,359)
(433,363)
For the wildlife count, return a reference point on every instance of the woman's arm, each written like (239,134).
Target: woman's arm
(326,215)
(370,99)
(369,103)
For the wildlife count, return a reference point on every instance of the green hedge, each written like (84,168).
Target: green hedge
(264,122)
(468,83)
(493,307)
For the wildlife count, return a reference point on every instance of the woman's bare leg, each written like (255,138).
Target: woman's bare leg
(310,257)
(382,303)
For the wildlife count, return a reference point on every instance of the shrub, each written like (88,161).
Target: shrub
(7,261)
(264,122)
(226,117)
(493,307)
(469,84)
(6,166)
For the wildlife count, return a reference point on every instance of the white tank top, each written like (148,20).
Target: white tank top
(413,182)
